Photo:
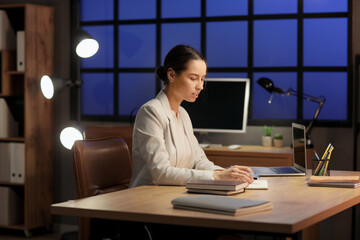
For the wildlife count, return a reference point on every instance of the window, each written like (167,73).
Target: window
(298,44)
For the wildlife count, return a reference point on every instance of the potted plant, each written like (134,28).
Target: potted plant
(267,139)
(278,140)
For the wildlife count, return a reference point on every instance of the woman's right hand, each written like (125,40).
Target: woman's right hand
(241,173)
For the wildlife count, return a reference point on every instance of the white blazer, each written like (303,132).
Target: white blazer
(154,148)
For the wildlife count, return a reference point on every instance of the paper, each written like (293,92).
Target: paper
(260,184)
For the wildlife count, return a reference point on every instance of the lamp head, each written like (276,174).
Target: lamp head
(86,45)
(268,85)
(69,135)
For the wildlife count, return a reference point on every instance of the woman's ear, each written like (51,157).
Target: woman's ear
(171,74)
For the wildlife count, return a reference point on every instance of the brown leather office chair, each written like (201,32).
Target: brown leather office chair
(101,166)
(103,131)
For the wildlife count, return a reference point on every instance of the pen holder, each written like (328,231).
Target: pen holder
(320,167)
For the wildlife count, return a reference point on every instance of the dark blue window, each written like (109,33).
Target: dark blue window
(137,46)
(180,9)
(104,58)
(311,6)
(226,8)
(136,9)
(281,107)
(227,75)
(333,86)
(227,44)
(325,42)
(275,6)
(302,45)
(97,94)
(179,33)
(95,10)
(134,90)
(275,43)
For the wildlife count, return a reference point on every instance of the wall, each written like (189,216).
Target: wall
(337,227)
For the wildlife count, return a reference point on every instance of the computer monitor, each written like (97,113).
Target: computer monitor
(222,106)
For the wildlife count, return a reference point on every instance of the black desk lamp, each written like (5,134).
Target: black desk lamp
(268,85)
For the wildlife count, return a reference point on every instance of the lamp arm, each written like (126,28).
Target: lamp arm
(309,127)
(305,96)
(319,100)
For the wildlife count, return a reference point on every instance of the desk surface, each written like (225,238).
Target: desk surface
(252,149)
(296,206)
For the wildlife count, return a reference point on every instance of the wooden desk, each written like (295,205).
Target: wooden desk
(254,155)
(296,206)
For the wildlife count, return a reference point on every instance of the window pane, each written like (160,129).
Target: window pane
(104,58)
(226,7)
(325,42)
(226,75)
(275,43)
(95,10)
(136,9)
(331,85)
(97,96)
(137,46)
(281,107)
(180,9)
(135,89)
(179,33)
(275,6)
(228,40)
(311,6)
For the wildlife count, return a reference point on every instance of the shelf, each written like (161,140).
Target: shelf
(12,139)
(16,227)
(15,72)
(32,112)
(11,184)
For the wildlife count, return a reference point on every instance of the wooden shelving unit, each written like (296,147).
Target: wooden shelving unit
(21,90)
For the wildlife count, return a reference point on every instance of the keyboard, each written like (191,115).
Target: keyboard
(285,170)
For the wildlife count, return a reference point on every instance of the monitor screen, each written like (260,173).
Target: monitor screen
(222,106)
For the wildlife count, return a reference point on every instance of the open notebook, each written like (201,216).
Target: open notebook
(299,157)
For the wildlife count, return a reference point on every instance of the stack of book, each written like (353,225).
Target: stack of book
(221,204)
(219,187)
(335,181)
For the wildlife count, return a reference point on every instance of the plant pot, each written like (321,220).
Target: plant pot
(278,142)
(267,141)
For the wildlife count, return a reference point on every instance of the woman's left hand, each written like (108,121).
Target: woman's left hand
(236,172)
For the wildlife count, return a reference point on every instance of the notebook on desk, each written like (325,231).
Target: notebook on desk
(299,157)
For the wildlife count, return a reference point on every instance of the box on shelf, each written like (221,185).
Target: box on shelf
(11,207)
(7,34)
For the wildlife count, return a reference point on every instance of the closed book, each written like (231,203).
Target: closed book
(335,184)
(216,184)
(216,192)
(334,181)
(221,204)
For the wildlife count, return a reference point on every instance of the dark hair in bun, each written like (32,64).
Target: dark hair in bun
(177,59)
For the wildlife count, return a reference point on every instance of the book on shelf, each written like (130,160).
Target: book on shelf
(7,34)
(228,185)
(221,204)
(334,181)
(8,125)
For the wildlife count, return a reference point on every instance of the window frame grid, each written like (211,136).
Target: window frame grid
(203,19)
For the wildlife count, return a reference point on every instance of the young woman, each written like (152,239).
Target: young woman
(165,149)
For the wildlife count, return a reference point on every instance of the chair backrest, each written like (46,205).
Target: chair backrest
(101,166)
(103,131)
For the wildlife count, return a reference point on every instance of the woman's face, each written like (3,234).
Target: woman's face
(188,84)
